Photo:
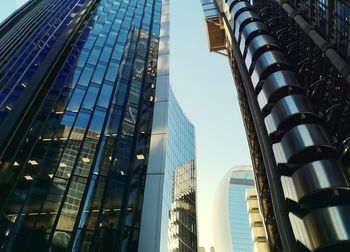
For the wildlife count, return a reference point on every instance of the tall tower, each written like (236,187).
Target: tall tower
(290,61)
(234,216)
(87,122)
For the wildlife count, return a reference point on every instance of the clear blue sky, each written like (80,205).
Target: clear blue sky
(203,84)
(7,8)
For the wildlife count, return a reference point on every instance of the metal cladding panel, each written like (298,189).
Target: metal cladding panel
(325,229)
(250,31)
(257,46)
(244,19)
(235,9)
(289,112)
(316,183)
(302,144)
(266,61)
(276,86)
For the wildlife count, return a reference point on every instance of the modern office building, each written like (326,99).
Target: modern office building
(290,61)
(231,226)
(95,152)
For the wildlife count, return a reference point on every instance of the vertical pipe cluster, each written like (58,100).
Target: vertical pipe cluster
(313,181)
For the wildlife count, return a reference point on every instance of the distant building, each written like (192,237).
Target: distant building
(231,228)
(256,221)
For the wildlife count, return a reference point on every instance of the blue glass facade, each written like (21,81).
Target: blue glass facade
(238,215)
(180,181)
(177,225)
(77,92)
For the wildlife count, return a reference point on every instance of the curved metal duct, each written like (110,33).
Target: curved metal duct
(236,8)
(317,183)
(304,154)
(266,64)
(257,46)
(325,229)
(276,86)
(243,20)
(288,112)
(249,32)
(302,144)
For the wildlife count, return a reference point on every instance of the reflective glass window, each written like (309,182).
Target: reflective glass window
(76,99)
(90,42)
(123,34)
(99,73)
(90,97)
(322,17)
(343,28)
(105,96)
(100,40)
(97,120)
(82,58)
(112,72)
(83,119)
(76,76)
(118,52)
(94,55)
(86,76)
(112,37)
(68,118)
(106,53)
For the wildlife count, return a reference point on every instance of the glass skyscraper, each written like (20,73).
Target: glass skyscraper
(241,179)
(290,61)
(91,135)
(231,228)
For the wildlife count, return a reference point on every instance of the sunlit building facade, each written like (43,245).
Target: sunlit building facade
(171,177)
(290,61)
(256,222)
(92,136)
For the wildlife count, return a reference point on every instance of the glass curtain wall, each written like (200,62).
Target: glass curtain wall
(75,177)
(180,181)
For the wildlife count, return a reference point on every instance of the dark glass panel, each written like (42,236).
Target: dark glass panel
(97,120)
(90,97)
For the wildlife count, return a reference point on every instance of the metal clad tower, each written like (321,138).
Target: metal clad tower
(290,61)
